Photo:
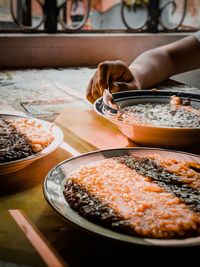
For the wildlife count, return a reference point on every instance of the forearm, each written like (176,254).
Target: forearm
(156,65)
(152,67)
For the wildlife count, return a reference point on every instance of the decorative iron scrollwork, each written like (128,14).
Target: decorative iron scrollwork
(58,17)
(24,10)
(174,7)
(62,14)
(136,6)
(71,21)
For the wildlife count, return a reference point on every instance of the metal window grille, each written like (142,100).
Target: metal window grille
(55,16)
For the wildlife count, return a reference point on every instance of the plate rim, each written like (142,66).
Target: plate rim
(111,234)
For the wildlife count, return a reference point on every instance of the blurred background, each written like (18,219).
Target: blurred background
(92,30)
(134,15)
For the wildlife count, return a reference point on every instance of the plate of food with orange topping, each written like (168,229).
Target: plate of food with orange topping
(24,140)
(144,196)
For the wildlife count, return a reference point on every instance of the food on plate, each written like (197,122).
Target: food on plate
(147,196)
(177,113)
(12,145)
(22,137)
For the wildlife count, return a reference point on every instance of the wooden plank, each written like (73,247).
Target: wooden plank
(41,245)
(86,131)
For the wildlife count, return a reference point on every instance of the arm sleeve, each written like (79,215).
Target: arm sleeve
(197,35)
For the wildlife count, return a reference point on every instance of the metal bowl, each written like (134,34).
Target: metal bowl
(173,137)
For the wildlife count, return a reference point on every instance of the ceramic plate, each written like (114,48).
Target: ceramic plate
(56,178)
(16,165)
(166,137)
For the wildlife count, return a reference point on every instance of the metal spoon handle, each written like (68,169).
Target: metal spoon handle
(109,104)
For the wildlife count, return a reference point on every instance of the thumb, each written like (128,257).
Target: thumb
(122,86)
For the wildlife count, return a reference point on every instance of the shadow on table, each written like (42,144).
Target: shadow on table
(81,249)
(31,175)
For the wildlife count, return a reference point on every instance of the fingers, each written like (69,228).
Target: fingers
(92,92)
(113,71)
(103,76)
(98,83)
(122,86)
(89,92)
(109,71)
(115,74)
(92,97)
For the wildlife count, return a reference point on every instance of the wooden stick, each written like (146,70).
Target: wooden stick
(36,238)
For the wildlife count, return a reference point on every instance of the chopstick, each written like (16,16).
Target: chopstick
(37,240)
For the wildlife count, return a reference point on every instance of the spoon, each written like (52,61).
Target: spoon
(109,104)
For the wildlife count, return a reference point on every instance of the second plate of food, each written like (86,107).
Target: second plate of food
(156,118)
(24,140)
(140,196)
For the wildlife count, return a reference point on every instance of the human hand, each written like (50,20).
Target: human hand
(113,74)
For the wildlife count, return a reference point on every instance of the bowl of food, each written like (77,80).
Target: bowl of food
(143,196)
(24,140)
(155,118)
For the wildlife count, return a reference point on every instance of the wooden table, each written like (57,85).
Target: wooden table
(21,194)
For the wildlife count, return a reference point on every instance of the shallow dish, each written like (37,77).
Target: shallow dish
(54,186)
(16,165)
(152,135)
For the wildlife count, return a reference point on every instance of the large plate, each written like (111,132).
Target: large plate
(56,178)
(16,165)
(151,135)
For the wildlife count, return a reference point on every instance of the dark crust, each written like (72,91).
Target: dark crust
(13,146)
(93,209)
(165,179)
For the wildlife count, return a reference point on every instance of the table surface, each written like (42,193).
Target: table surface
(22,191)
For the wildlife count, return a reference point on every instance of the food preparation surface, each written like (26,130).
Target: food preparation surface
(84,131)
